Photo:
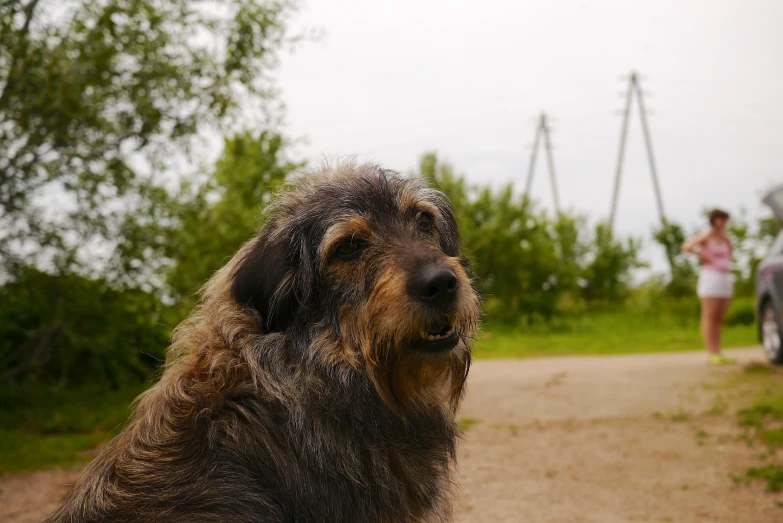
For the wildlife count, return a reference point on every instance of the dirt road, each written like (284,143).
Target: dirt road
(609,439)
(597,439)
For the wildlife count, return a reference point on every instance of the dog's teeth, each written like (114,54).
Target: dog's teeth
(437,337)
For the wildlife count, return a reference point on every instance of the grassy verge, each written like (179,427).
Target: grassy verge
(44,426)
(765,420)
(628,331)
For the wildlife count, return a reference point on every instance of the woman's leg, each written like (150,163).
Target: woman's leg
(721,306)
(708,306)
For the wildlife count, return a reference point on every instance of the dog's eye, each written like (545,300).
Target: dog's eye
(425,221)
(350,249)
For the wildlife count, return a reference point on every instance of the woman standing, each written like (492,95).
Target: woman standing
(716,282)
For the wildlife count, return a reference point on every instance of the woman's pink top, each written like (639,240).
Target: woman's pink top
(718,255)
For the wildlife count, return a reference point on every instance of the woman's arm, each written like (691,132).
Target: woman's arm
(691,243)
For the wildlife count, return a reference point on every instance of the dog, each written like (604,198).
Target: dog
(318,378)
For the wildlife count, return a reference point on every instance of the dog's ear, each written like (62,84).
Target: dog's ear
(264,280)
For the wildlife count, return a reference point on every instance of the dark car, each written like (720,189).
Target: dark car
(769,286)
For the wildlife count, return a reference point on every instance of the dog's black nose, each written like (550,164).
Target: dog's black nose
(435,285)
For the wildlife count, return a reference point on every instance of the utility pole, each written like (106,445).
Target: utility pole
(633,88)
(532,165)
(621,152)
(550,161)
(650,157)
(542,129)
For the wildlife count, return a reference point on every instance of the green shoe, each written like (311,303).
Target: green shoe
(720,359)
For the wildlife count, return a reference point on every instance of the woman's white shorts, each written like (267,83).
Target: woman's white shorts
(715,284)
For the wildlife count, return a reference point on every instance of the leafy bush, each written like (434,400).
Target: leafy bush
(44,425)
(682,279)
(607,276)
(224,213)
(525,261)
(514,250)
(741,313)
(71,330)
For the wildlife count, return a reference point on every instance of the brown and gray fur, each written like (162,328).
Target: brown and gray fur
(297,391)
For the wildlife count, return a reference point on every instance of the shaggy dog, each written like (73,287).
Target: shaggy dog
(317,380)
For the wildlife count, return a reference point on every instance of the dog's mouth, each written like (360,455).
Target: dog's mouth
(439,336)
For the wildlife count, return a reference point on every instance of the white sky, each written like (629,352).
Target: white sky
(393,79)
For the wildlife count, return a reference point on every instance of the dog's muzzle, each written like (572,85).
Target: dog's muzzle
(436,287)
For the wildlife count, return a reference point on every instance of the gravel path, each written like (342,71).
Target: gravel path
(588,439)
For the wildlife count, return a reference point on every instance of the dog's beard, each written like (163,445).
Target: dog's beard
(407,378)
(388,335)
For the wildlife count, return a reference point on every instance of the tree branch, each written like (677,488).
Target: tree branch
(29,13)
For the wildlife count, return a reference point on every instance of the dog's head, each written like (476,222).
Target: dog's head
(362,268)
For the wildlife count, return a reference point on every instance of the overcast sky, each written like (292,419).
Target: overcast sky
(392,79)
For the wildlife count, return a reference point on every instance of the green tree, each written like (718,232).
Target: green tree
(225,212)
(751,243)
(523,261)
(607,274)
(98,98)
(70,330)
(572,249)
(682,278)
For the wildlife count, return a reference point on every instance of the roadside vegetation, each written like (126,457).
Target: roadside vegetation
(764,420)
(46,425)
(640,326)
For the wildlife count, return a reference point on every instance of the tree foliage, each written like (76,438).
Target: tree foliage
(71,330)
(225,212)
(607,275)
(682,277)
(525,261)
(98,98)
(102,106)
(751,243)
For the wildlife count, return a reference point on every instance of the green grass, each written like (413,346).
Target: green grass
(20,451)
(772,474)
(627,331)
(45,426)
(765,420)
